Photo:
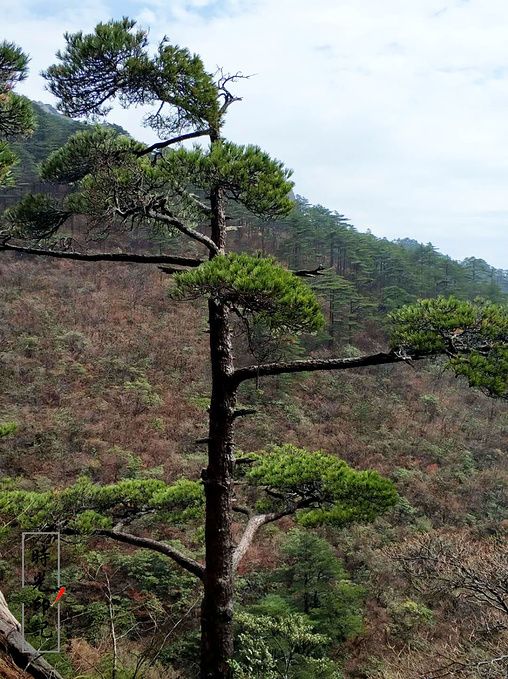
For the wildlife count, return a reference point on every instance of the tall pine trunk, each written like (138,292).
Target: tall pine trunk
(217,606)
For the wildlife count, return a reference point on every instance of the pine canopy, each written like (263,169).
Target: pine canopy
(16,115)
(473,334)
(255,286)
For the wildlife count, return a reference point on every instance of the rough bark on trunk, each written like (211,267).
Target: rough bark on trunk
(217,606)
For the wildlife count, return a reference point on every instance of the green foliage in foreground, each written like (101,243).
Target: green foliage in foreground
(313,582)
(38,216)
(255,287)
(87,506)
(473,334)
(310,606)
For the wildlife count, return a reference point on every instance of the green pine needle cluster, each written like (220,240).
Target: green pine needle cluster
(473,334)
(16,114)
(86,506)
(246,174)
(250,176)
(328,489)
(86,152)
(114,61)
(255,287)
(35,216)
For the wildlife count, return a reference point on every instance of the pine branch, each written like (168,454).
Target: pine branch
(105,256)
(314,364)
(170,220)
(185,562)
(255,522)
(241,509)
(253,525)
(170,270)
(310,273)
(243,412)
(176,140)
(196,200)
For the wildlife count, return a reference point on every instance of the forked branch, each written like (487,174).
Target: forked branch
(255,522)
(252,527)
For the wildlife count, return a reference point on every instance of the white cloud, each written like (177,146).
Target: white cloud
(391,112)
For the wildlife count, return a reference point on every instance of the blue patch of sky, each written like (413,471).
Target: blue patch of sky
(132,8)
(43,10)
(499,73)
(126,7)
(210,10)
(55,8)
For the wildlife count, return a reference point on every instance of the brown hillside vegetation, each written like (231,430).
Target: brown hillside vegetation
(105,375)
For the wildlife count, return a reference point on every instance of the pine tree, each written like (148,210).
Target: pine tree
(167,188)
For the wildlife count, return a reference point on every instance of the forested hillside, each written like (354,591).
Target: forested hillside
(103,375)
(365,277)
(52,129)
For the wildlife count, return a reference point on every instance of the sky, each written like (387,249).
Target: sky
(392,112)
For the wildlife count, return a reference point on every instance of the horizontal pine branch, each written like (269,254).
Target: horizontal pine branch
(314,364)
(128,257)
